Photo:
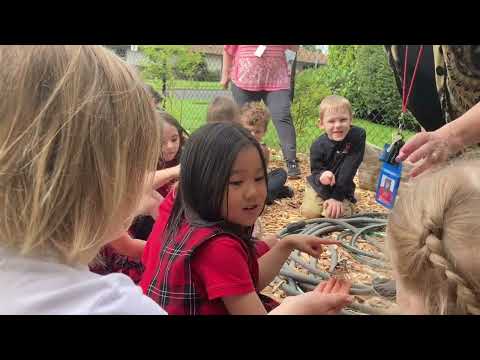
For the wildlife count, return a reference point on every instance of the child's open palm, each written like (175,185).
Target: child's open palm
(328,298)
(309,244)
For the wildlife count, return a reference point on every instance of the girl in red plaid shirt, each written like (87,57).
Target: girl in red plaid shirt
(200,257)
(123,255)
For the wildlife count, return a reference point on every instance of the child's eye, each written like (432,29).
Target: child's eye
(235,183)
(260,178)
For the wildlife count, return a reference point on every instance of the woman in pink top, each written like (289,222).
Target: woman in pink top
(260,72)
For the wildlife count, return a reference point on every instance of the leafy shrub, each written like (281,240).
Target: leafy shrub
(309,93)
(361,74)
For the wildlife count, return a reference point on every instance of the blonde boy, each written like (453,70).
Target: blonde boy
(334,159)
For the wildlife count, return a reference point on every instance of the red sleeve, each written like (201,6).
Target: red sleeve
(230,49)
(164,211)
(261,247)
(222,266)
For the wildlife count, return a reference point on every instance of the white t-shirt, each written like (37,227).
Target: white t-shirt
(37,286)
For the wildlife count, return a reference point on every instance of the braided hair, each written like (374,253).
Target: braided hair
(433,239)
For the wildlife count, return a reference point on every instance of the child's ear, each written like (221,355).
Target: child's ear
(320,123)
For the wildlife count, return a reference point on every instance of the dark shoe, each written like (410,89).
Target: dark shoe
(293,170)
(285,192)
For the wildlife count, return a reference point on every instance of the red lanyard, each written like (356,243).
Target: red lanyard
(404,85)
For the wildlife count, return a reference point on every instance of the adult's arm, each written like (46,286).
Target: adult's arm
(435,146)
(228,52)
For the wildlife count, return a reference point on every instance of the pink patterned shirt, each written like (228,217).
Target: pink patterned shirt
(252,73)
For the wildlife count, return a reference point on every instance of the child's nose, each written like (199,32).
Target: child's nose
(250,191)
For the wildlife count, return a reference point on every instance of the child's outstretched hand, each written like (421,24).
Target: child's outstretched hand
(335,286)
(309,244)
(328,298)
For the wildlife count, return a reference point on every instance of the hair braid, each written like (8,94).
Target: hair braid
(466,298)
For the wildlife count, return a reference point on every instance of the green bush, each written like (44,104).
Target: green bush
(309,93)
(170,62)
(361,74)
(378,99)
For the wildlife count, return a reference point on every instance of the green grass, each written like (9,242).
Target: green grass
(192,114)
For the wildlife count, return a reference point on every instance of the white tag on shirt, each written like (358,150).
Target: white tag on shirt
(290,55)
(260,50)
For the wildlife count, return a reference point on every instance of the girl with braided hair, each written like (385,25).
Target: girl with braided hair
(433,238)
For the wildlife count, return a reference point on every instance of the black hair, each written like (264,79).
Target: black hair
(206,163)
(182,133)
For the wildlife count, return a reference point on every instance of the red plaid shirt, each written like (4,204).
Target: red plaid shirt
(168,277)
(113,262)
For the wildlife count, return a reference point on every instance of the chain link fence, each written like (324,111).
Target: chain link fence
(188,97)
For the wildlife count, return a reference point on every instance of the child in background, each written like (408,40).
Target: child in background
(334,159)
(433,239)
(201,259)
(124,254)
(255,116)
(223,109)
(168,170)
(173,139)
(79,142)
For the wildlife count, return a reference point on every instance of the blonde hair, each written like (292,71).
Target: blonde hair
(78,139)
(334,102)
(433,239)
(254,113)
(223,109)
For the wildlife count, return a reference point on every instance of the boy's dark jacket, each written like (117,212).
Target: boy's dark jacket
(340,157)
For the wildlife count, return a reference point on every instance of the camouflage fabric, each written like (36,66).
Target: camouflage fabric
(456,72)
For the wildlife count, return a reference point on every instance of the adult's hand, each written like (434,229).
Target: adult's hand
(427,149)
(435,146)
(224,82)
